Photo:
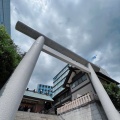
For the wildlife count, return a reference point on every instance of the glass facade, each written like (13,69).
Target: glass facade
(59,79)
(5,14)
(44,89)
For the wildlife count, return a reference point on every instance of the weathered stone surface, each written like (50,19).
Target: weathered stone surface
(34,116)
(88,112)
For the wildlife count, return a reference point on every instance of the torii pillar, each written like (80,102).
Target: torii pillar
(11,94)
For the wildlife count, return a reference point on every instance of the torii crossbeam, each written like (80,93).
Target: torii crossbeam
(12,93)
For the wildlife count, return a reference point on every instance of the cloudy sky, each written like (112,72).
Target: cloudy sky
(90,28)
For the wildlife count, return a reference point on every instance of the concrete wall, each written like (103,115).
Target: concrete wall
(88,112)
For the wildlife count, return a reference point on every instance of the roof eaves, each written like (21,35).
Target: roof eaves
(106,77)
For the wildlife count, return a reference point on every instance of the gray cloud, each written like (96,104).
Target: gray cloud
(87,27)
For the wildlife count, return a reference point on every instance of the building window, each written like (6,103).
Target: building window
(84,77)
(79,81)
(76,83)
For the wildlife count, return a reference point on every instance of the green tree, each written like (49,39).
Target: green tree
(114,93)
(9,56)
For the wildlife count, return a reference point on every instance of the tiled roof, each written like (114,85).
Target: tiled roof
(37,95)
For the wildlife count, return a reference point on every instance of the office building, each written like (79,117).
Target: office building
(59,79)
(44,89)
(5,14)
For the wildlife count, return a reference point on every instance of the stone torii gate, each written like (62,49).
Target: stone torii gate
(12,92)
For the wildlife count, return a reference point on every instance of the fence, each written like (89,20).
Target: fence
(75,103)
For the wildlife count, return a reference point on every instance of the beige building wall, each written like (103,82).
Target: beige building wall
(82,89)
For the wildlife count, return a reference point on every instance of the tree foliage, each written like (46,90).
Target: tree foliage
(114,93)
(9,56)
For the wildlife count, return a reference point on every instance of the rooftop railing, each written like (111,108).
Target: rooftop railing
(75,103)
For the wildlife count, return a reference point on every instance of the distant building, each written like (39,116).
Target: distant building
(5,14)
(44,89)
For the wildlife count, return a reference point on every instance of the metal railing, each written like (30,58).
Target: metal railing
(74,104)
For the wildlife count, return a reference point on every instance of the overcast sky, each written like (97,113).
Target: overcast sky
(90,28)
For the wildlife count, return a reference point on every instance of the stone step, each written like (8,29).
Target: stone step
(34,116)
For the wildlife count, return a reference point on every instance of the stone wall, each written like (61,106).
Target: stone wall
(34,116)
(88,112)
